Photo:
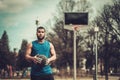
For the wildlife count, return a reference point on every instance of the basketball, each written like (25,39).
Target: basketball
(42,60)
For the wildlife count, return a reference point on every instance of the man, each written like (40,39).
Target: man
(41,47)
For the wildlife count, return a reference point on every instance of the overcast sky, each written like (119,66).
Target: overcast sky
(18,17)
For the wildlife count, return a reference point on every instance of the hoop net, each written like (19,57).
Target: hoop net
(76,27)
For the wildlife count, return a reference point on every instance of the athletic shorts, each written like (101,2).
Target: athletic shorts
(43,77)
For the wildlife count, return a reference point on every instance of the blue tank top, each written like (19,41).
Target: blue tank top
(42,49)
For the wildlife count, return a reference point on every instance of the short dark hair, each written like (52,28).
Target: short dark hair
(40,28)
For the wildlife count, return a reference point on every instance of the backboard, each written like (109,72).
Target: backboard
(72,19)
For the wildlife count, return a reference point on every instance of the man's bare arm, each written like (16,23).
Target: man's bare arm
(53,53)
(28,54)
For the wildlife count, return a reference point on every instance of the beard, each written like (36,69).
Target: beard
(40,38)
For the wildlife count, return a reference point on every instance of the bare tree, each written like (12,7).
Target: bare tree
(108,22)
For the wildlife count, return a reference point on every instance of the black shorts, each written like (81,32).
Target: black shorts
(43,77)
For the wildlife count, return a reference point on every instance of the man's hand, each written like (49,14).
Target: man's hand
(48,62)
(34,59)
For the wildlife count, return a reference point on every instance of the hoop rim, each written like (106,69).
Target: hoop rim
(76,27)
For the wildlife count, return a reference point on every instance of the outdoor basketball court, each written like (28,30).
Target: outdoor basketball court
(84,78)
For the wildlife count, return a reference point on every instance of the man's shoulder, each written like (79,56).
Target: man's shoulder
(48,42)
(34,41)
